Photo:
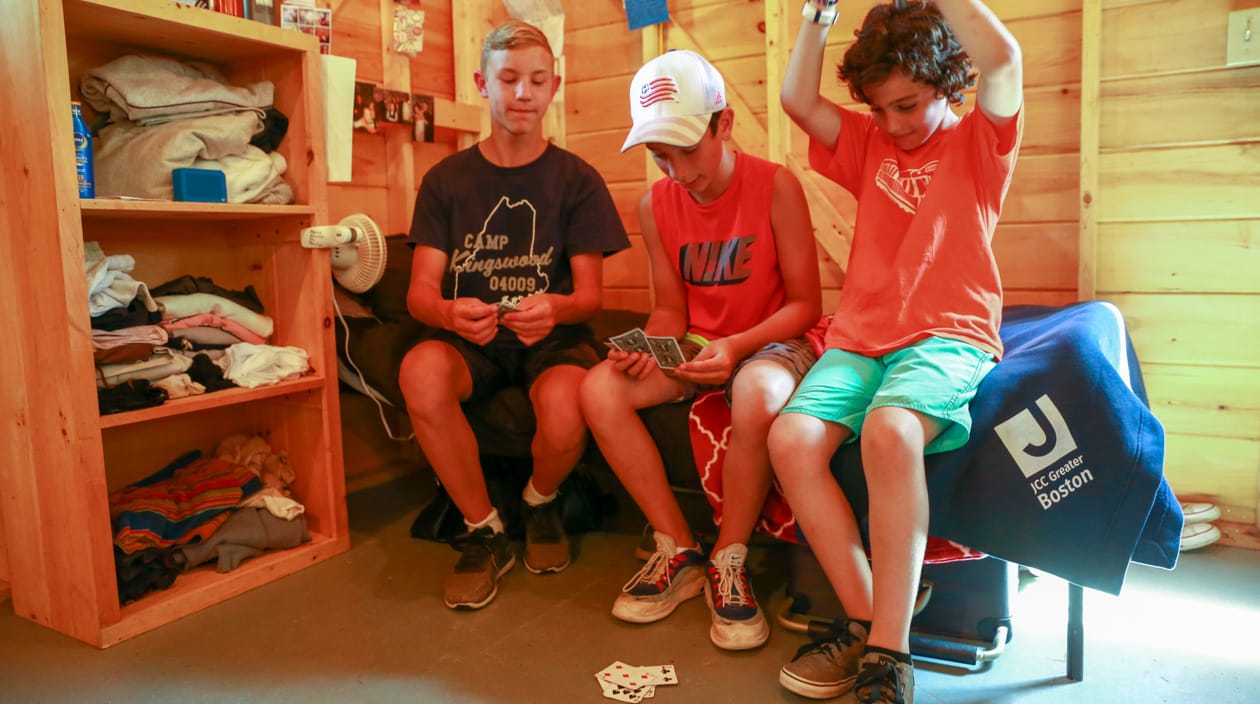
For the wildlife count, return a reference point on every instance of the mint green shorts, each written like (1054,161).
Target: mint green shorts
(936,376)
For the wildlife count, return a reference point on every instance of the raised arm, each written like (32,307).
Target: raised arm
(800,96)
(1000,88)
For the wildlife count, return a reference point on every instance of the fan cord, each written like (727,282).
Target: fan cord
(371,392)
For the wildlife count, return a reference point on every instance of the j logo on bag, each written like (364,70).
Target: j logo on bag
(1037,436)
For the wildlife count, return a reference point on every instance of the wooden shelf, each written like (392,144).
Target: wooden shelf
(113,209)
(217,399)
(60,454)
(204,586)
(182,30)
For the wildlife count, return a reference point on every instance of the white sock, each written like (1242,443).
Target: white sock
(491,519)
(533,498)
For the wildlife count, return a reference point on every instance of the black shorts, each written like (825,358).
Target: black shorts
(493,368)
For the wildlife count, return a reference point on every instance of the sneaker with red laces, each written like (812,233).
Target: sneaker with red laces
(669,578)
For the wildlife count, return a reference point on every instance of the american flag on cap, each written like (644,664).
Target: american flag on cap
(658,90)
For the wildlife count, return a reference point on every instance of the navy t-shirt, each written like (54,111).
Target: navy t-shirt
(510,231)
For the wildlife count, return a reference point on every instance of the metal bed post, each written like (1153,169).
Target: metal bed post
(1076,633)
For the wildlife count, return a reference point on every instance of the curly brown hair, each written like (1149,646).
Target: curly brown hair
(913,36)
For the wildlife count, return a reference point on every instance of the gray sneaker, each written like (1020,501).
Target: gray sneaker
(475,578)
(546,544)
(882,679)
(828,666)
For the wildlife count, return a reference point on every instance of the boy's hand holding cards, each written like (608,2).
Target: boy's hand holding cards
(508,304)
(664,350)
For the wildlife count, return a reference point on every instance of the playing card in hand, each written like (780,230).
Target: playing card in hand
(632,341)
(666,351)
(508,304)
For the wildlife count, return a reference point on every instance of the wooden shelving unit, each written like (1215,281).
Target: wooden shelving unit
(59,458)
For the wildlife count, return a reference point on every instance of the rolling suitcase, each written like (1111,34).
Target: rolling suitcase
(963,615)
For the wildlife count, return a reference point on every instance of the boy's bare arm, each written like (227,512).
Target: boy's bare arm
(669,309)
(470,318)
(588,290)
(1000,88)
(801,95)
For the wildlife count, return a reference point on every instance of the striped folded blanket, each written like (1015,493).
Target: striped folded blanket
(184,502)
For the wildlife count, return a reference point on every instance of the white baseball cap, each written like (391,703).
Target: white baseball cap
(672,98)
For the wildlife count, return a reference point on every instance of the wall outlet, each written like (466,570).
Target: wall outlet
(1243,46)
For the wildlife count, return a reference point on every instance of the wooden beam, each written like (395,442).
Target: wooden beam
(555,124)
(399,154)
(454,115)
(470,21)
(778,126)
(1091,70)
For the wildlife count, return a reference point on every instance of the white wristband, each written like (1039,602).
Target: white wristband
(817,15)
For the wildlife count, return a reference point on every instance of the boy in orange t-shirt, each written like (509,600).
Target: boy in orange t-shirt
(916,328)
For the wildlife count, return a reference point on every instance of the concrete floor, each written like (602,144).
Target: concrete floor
(369,626)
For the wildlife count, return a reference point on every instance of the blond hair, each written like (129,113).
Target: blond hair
(511,34)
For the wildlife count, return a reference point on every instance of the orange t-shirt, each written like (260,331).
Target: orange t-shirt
(921,265)
(724,251)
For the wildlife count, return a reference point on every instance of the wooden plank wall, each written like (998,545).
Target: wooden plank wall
(1179,233)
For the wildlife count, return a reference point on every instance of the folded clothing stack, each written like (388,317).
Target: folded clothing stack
(166,115)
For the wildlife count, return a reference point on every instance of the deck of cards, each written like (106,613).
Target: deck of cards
(664,350)
(627,683)
(508,304)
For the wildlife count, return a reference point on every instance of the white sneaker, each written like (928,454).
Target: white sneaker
(1199,512)
(1198,535)
(668,579)
(738,623)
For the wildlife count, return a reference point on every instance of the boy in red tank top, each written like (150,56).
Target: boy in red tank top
(916,328)
(735,275)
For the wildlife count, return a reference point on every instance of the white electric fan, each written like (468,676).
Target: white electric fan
(358,250)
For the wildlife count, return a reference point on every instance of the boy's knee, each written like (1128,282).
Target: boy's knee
(892,428)
(764,384)
(425,376)
(782,441)
(596,388)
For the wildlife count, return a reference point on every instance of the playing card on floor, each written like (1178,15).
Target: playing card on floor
(629,683)
(623,693)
